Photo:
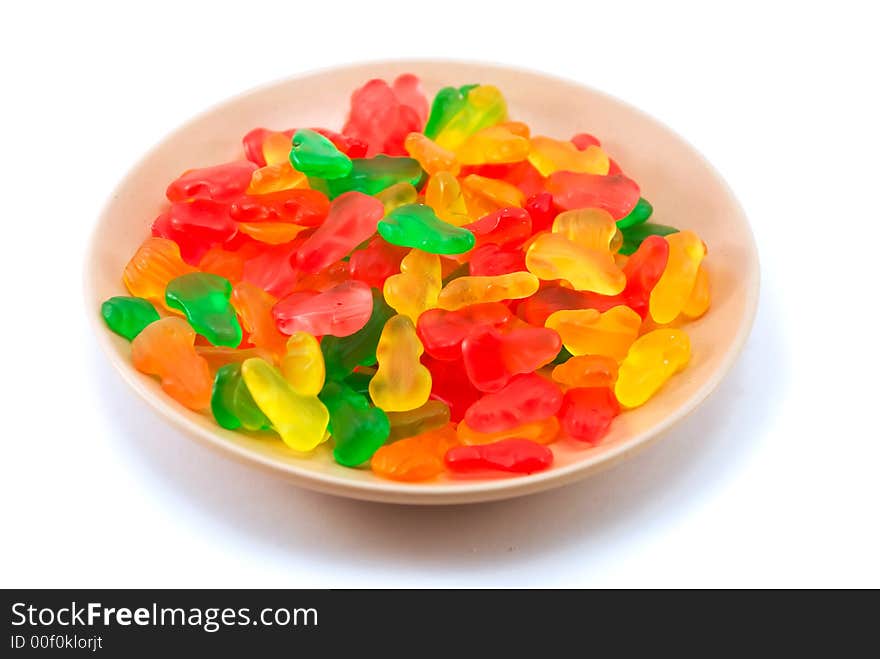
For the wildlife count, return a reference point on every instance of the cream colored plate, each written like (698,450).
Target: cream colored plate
(684,189)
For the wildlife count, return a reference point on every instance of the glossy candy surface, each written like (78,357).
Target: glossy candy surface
(431,287)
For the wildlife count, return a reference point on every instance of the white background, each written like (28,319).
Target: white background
(775,481)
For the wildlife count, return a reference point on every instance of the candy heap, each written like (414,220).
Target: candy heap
(433,289)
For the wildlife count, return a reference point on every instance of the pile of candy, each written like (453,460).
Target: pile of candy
(432,289)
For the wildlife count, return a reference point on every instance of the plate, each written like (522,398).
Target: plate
(685,190)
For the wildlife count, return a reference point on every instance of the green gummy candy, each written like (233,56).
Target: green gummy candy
(204,300)
(128,316)
(446,104)
(343,353)
(231,402)
(357,428)
(315,155)
(360,382)
(638,215)
(371,175)
(416,225)
(633,236)
(562,357)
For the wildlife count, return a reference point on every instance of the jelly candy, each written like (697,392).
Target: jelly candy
(592,228)
(276,148)
(343,354)
(483,106)
(382,115)
(253,142)
(446,104)
(128,316)
(276,178)
(218,357)
(536,309)
(300,420)
(165,348)
(443,194)
(399,194)
(432,414)
(417,286)
(491,358)
(465,291)
(493,145)
(491,261)
(340,311)
(254,307)
(314,155)
(376,262)
(300,206)
(542,210)
(431,157)
(548,155)
(634,236)
(303,364)
(232,405)
(417,458)
(507,227)
(358,429)
(372,175)
(650,362)
(587,412)
(351,220)
(516,455)
(643,270)
(204,300)
(616,194)
(524,399)
(543,431)
(673,290)
(553,256)
(490,194)
(220,182)
(698,302)
(218,261)
(401,382)
(271,269)
(638,215)
(588,332)
(450,385)
(442,332)
(416,225)
(195,226)
(587,371)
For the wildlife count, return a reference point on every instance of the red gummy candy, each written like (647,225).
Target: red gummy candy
(616,193)
(450,384)
(587,412)
(491,358)
(220,182)
(442,332)
(339,311)
(507,227)
(542,210)
(195,226)
(526,398)
(376,262)
(643,270)
(491,260)
(517,455)
(304,207)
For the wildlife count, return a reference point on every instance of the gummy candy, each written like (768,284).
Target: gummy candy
(401,382)
(300,420)
(128,316)
(433,288)
(415,458)
(358,429)
(650,362)
(204,300)
(417,286)
(416,225)
(314,155)
(165,348)
(340,311)
(232,405)
(517,455)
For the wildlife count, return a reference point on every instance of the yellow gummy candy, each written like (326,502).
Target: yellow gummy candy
(303,364)
(401,382)
(301,421)
(432,157)
(548,155)
(485,195)
(399,194)
(650,362)
(588,332)
(443,195)
(485,106)
(553,256)
(464,291)
(493,145)
(673,290)
(701,296)
(417,286)
(593,228)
